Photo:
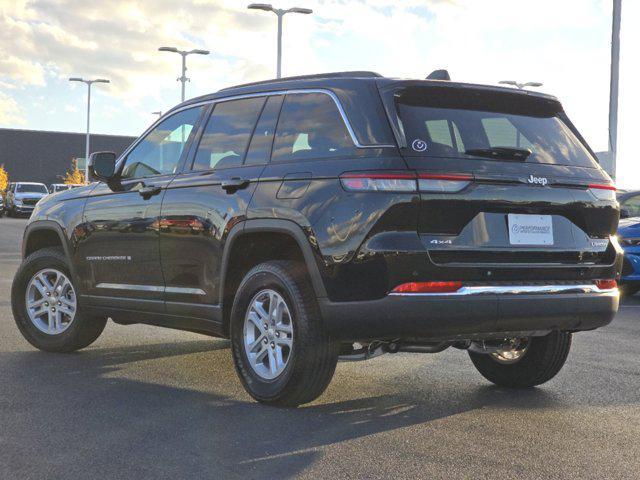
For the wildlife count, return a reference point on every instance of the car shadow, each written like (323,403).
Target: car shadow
(176,410)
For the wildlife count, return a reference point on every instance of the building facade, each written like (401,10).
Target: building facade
(43,156)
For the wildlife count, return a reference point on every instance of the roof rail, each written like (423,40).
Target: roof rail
(353,74)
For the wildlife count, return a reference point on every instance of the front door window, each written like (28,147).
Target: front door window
(160,151)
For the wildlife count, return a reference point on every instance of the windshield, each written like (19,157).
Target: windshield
(26,188)
(443,122)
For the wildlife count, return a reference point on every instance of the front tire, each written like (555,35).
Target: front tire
(540,362)
(46,307)
(281,351)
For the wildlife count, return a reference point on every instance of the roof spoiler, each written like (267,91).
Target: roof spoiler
(439,75)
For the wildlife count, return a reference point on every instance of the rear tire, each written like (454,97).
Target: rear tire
(81,331)
(542,360)
(311,360)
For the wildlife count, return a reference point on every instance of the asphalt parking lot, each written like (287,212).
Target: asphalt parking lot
(145,402)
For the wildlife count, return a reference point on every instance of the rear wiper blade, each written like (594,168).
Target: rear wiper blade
(501,153)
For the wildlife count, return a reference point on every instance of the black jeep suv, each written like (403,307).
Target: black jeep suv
(337,215)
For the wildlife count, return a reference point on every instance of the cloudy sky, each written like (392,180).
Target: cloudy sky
(563,43)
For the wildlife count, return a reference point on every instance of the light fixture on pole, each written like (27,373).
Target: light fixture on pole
(184,54)
(280,13)
(519,85)
(159,113)
(86,148)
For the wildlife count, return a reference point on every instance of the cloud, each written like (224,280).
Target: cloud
(119,40)
(10,111)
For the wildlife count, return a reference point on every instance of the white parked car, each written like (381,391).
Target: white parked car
(60,187)
(22,197)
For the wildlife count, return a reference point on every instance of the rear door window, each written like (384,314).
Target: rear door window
(260,148)
(488,125)
(311,126)
(227,133)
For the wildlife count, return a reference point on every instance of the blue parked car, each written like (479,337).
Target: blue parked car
(629,236)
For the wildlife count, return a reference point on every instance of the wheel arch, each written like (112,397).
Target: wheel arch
(44,234)
(282,236)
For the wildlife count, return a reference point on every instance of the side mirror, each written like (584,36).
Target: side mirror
(102,166)
(624,213)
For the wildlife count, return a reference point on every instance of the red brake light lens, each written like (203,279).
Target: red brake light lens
(428,287)
(445,183)
(599,186)
(608,284)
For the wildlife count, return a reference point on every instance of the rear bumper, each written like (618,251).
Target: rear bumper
(484,313)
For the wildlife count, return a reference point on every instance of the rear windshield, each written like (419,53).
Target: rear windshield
(445,122)
(25,188)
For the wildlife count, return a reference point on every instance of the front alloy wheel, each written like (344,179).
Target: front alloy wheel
(51,301)
(46,306)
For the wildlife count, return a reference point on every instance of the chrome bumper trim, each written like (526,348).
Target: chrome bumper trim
(515,290)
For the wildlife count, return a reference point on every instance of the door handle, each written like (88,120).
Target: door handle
(233,184)
(149,190)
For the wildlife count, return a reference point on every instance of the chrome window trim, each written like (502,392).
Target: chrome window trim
(325,91)
(515,290)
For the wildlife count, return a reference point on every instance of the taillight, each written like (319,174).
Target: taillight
(379,182)
(405,182)
(428,287)
(608,284)
(602,191)
(449,183)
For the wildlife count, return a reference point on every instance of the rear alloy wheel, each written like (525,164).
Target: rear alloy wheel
(524,362)
(268,334)
(281,350)
(46,307)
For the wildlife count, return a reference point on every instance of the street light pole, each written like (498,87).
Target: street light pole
(159,113)
(279,61)
(183,78)
(279,13)
(613,88)
(86,147)
(519,85)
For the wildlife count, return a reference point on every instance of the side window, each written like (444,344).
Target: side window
(502,133)
(226,136)
(310,126)
(160,151)
(632,205)
(262,140)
